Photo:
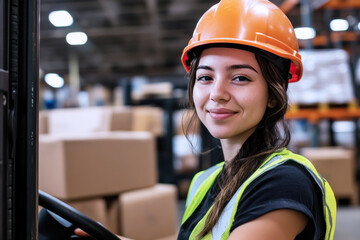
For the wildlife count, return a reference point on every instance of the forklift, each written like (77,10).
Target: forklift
(19,109)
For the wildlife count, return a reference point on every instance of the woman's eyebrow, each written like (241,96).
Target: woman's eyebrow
(205,67)
(238,66)
(232,67)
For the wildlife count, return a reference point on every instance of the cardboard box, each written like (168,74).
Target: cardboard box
(172,237)
(337,166)
(153,90)
(96,164)
(79,120)
(150,213)
(121,119)
(326,78)
(100,119)
(93,208)
(148,118)
(91,119)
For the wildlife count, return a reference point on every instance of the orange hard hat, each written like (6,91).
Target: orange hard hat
(253,23)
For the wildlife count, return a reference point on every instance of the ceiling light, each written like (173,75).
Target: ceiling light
(339,25)
(305,33)
(359,25)
(60,18)
(76,38)
(54,80)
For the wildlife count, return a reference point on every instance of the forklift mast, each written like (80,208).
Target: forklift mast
(19,80)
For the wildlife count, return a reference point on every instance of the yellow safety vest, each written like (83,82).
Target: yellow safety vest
(202,182)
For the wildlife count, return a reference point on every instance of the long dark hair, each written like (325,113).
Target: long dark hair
(267,138)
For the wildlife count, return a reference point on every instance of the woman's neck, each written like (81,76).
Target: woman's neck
(230,149)
(232,146)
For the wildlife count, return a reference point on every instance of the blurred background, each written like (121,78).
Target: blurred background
(113,96)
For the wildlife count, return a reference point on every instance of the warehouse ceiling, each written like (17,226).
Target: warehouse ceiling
(125,37)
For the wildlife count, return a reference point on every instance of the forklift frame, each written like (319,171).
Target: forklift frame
(19,80)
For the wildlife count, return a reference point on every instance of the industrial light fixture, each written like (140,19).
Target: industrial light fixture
(61,18)
(54,80)
(305,33)
(76,38)
(339,25)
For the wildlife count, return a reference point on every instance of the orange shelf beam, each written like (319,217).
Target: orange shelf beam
(341,4)
(314,115)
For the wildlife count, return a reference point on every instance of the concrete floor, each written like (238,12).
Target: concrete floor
(347,222)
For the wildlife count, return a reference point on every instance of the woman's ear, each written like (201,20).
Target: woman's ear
(271,103)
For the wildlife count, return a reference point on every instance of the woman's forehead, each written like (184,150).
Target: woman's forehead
(223,55)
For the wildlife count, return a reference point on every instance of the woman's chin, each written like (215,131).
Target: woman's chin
(220,135)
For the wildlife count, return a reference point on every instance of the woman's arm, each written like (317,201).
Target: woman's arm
(283,224)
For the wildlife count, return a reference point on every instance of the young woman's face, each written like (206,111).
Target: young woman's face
(230,94)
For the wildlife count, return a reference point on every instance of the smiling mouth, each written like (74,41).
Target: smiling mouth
(220,114)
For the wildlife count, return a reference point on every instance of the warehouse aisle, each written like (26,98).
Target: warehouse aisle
(347,226)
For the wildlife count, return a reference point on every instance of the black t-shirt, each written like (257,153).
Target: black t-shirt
(288,186)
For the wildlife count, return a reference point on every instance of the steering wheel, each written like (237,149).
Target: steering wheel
(67,215)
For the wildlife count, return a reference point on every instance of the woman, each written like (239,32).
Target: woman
(240,59)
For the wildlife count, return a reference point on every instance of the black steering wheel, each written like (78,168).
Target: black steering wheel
(67,215)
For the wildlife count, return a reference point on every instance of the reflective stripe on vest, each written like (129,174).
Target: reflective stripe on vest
(199,186)
(204,180)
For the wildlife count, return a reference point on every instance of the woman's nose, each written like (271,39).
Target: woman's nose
(219,91)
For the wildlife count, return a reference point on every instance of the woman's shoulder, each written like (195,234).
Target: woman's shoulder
(290,178)
(289,170)
(287,186)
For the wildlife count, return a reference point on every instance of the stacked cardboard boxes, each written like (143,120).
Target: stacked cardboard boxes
(326,78)
(96,164)
(337,166)
(99,119)
(147,118)
(148,213)
(79,120)
(111,176)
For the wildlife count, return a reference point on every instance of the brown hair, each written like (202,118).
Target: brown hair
(266,139)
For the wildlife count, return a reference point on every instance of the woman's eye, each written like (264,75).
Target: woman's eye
(204,78)
(241,79)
